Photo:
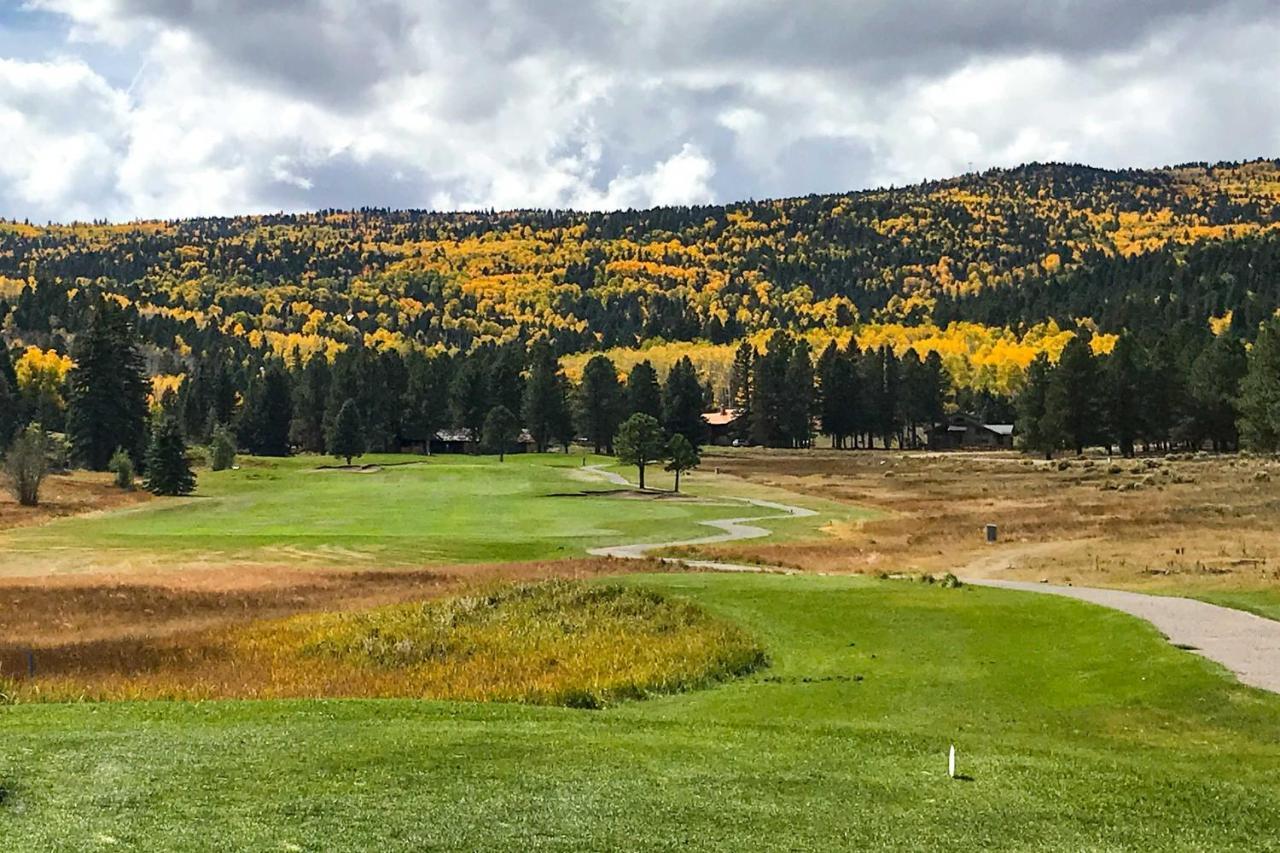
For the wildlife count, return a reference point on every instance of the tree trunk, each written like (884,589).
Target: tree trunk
(641,468)
(677,480)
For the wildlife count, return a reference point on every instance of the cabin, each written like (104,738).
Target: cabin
(461,441)
(965,432)
(722,426)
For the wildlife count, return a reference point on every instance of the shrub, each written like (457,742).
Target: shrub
(168,469)
(222,449)
(26,465)
(122,466)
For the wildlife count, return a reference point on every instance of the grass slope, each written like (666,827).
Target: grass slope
(1080,728)
(445,509)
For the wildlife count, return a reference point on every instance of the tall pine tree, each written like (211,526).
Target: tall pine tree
(1260,392)
(644,395)
(545,408)
(600,403)
(108,389)
(682,403)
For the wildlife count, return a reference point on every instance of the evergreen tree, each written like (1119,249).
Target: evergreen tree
(681,456)
(640,442)
(644,396)
(469,396)
(1260,392)
(740,379)
(268,413)
(1074,401)
(346,438)
(798,403)
(545,407)
(505,379)
(1214,386)
(8,407)
(108,390)
(769,395)
(208,395)
(1034,431)
(310,397)
(168,469)
(1124,377)
(600,403)
(426,399)
(501,429)
(683,402)
(889,412)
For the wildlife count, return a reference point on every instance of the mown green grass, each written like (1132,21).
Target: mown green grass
(444,509)
(1263,602)
(1079,727)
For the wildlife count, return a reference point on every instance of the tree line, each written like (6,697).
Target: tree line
(1189,389)
(1183,392)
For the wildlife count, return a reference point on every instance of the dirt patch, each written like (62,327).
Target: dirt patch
(61,495)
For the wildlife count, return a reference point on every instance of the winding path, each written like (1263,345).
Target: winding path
(1246,644)
(732,529)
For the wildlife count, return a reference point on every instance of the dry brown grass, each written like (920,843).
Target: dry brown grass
(548,642)
(111,624)
(1189,523)
(75,493)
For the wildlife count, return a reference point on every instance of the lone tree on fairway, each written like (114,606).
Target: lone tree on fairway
(683,456)
(639,441)
(26,464)
(500,431)
(346,439)
(168,469)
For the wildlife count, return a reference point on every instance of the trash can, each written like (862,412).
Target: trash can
(990,531)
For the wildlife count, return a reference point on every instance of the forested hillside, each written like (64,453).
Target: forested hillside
(430,320)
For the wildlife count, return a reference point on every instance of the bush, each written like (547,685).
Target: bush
(222,449)
(122,466)
(26,465)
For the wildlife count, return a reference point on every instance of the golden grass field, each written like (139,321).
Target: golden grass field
(554,642)
(1184,523)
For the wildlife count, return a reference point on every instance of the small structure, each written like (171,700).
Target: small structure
(961,432)
(461,441)
(722,426)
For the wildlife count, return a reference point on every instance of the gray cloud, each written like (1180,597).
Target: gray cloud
(244,105)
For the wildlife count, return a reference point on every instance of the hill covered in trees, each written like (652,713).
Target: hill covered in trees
(907,299)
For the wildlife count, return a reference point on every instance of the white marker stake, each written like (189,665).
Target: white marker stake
(951,762)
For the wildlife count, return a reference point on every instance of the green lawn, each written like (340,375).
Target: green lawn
(445,509)
(1080,727)
(1263,602)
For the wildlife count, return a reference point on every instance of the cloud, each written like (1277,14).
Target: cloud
(243,106)
(63,130)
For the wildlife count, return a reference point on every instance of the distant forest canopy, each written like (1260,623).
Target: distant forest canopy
(988,270)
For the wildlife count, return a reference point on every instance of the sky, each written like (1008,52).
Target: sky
(125,109)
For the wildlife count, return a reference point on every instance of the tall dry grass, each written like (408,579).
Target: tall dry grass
(555,643)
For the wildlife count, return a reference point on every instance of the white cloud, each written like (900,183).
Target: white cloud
(243,106)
